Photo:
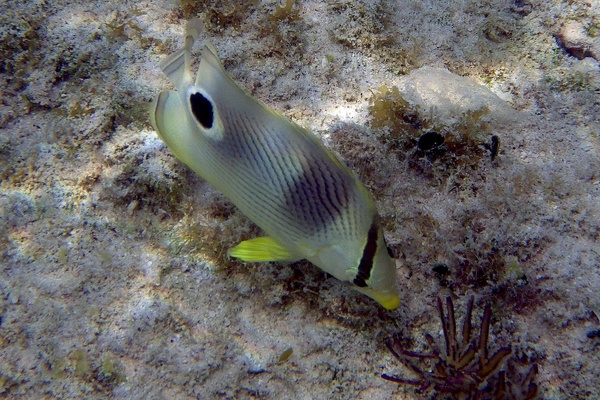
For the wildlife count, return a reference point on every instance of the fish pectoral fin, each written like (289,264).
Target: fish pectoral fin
(262,249)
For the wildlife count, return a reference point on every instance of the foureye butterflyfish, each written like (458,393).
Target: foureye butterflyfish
(309,204)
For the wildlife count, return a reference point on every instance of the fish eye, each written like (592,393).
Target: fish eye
(202,109)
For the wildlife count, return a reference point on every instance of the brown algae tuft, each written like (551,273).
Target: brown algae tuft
(220,15)
(465,368)
(287,12)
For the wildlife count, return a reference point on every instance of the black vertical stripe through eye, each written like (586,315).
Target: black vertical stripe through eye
(202,109)
(366,262)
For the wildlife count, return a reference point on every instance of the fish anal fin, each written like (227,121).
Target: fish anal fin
(262,249)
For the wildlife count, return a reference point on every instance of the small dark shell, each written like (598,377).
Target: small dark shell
(593,334)
(430,140)
(495,146)
(441,269)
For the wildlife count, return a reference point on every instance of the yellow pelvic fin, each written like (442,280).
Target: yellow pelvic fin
(262,249)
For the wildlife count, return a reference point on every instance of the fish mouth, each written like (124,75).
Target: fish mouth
(389,301)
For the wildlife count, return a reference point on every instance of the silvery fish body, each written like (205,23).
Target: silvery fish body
(278,174)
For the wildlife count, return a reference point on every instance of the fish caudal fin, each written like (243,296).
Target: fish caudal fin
(262,249)
(192,30)
(178,67)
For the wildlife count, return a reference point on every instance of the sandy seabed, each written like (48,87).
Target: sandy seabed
(115,281)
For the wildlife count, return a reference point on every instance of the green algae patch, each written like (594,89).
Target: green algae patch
(286,355)
(110,373)
(82,365)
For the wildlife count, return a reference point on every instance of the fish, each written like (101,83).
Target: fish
(309,204)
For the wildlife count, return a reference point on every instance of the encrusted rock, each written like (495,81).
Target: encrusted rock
(575,40)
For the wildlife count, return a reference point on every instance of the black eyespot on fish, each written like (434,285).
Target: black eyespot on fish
(202,109)
(430,140)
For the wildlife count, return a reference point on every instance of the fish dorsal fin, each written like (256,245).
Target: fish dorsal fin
(262,249)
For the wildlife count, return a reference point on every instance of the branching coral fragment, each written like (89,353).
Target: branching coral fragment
(465,369)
